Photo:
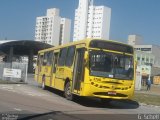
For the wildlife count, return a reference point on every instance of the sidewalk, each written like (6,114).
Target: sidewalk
(31,81)
(155,90)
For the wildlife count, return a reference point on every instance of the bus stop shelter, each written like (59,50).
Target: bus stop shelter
(22,48)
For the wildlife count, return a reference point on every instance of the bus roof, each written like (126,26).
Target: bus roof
(85,41)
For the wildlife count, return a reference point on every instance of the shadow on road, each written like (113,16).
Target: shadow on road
(95,102)
(114,104)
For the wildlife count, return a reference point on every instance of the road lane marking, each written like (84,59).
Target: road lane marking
(7,88)
(25,92)
(17,109)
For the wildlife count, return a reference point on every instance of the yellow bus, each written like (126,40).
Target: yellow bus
(98,68)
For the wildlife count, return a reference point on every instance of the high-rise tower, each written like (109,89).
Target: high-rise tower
(91,21)
(53,29)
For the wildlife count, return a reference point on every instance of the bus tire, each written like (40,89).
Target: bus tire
(43,83)
(67,91)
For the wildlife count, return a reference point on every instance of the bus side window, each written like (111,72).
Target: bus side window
(41,60)
(55,62)
(49,58)
(70,56)
(62,57)
(38,60)
(47,61)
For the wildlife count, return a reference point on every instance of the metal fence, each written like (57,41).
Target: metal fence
(22,67)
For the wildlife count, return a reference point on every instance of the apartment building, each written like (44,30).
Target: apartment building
(53,29)
(91,21)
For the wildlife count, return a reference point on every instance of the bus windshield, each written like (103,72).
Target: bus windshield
(111,65)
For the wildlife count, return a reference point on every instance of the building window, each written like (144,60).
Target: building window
(151,60)
(147,60)
(138,58)
(145,49)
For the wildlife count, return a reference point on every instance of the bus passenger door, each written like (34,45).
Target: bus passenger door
(54,68)
(78,73)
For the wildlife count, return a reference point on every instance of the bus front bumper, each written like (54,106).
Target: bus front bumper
(93,91)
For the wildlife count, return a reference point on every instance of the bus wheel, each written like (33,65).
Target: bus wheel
(67,91)
(43,83)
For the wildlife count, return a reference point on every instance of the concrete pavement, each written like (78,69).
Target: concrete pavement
(33,103)
(155,90)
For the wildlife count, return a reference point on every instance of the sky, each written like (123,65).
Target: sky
(141,17)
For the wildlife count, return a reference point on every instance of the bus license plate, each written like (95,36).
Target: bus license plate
(112,93)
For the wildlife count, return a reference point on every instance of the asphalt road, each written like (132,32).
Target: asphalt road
(24,101)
